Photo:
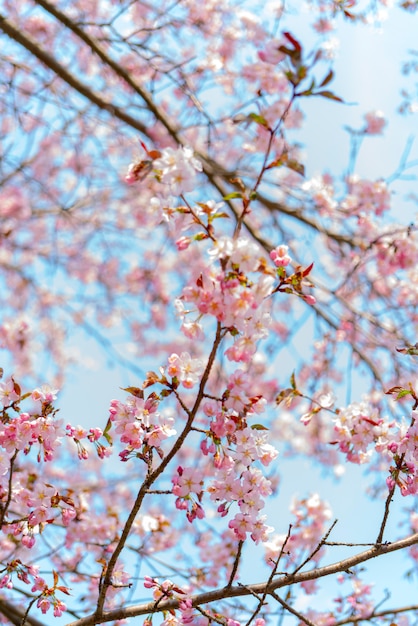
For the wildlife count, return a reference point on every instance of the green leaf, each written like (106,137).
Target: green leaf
(287,395)
(200,236)
(106,434)
(309,90)
(411,350)
(403,393)
(293,380)
(214,217)
(258,427)
(233,195)
(291,77)
(259,119)
(295,166)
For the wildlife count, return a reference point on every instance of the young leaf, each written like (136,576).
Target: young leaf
(307,270)
(328,78)
(259,119)
(403,393)
(134,391)
(293,380)
(293,41)
(329,95)
(233,195)
(295,166)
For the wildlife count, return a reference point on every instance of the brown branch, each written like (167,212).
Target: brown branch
(4,508)
(236,563)
(13,31)
(116,67)
(262,599)
(106,581)
(259,588)
(317,549)
(364,618)
(16,616)
(289,608)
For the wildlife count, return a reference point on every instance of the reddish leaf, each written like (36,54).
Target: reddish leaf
(308,270)
(293,41)
(134,391)
(393,390)
(16,388)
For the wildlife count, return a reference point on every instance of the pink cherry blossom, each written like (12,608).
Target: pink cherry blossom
(375,122)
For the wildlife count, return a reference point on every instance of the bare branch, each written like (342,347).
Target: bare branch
(16,616)
(289,608)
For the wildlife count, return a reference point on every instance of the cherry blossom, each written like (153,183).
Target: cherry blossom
(159,200)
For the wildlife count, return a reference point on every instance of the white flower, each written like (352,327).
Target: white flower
(178,169)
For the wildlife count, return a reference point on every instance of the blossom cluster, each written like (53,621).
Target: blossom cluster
(28,430)
(46,596)
(139,424)
(232,448)
(359,426)
(185,369)
(174,168)
(64,215)
(404,473)
(360,431)
(366,196)
(227,294)
(168,589)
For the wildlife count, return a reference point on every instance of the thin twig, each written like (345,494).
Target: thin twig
(292,610)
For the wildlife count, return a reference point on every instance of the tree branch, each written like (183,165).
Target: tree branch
(116,67)
(16,616)
(151,478)
(47,59)
(258,588)
(289,608)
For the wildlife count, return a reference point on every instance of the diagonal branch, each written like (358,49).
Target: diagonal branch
(106,582)
(289,608)
(116,67)
(13,31)
(16,616)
